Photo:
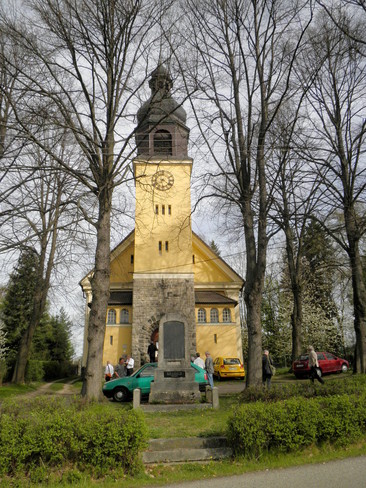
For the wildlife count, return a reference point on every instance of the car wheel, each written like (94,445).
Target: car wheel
(219,377)
(120,394)
(344,368)
(298,376)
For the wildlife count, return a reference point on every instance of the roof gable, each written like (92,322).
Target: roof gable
(209,267)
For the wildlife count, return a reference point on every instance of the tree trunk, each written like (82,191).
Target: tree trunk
(253,301)
(253,290)
(100,291)
(359,307)
(41,293)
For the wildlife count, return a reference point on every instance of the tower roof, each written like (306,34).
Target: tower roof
(161,107)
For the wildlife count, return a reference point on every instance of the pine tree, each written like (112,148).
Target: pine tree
(17,306)
(52,340)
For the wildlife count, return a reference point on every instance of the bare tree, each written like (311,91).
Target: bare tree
(351,25)
(337,104)
(38,218)
(295,197)
(241,60)
(90,57)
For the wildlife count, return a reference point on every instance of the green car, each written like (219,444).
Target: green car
(121,389)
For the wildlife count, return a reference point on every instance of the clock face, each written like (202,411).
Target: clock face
(162,180)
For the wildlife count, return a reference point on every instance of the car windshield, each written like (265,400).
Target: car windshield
(304,357)
(142,368)
(228,361)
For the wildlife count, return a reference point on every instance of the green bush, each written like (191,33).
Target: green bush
(256,428)
(353,385)
(52,433)
(34,371)
(54,370)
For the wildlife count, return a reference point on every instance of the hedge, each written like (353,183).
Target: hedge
(257,428)
(54,433)
(350,385)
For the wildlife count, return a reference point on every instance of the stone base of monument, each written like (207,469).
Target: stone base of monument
(174,384)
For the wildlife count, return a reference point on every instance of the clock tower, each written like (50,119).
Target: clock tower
(163,280)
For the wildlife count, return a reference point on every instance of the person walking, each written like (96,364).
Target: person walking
(209,367)
(314,365)
(267,371)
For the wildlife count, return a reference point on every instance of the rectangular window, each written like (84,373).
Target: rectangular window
(131,258)
(166,245)
(163,209)
(215,338)
(157,209)
(169,209)
(160,246)
(193,258)
(111,340)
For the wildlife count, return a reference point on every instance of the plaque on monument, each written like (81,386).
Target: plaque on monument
(174,340)
(174,374)
(174,378)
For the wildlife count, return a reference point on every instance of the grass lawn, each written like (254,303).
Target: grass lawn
(188,424)
(191,423)
(8,390)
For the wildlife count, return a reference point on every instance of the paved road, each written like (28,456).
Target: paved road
(347,473)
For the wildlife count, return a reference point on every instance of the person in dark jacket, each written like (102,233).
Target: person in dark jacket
(209,369)
(266,369)
(151,350)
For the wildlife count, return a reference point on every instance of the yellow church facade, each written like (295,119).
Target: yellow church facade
(163,267)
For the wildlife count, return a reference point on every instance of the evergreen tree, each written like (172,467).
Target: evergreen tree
(52,340)
(214,247)
(17,306)
(319,254)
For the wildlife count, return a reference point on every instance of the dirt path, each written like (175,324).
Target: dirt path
(46,389)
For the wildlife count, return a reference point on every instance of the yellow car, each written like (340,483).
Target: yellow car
(228,368)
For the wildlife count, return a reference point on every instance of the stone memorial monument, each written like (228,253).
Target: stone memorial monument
(174,378)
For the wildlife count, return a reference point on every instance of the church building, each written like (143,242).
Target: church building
(162,267)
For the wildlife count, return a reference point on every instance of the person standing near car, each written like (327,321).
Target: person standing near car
(109,371)
(314,365)
(130,363)
(199,361)
(120,369)
(209,367)
(267,371)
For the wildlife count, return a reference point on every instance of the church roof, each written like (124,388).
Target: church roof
(201,297)
(120,298)
(212,297)
(161,107)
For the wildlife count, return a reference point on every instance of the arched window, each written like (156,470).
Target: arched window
(214,315)
(201,315)
(163,142)
(226,315)
(124,316)
(111,319)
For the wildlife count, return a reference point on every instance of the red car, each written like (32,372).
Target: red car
(328,363)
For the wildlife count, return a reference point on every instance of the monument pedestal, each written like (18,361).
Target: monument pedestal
(174,379)
(174,383)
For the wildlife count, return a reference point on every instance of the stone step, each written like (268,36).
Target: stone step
(186,449)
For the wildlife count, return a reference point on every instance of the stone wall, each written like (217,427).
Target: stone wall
(155,296)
